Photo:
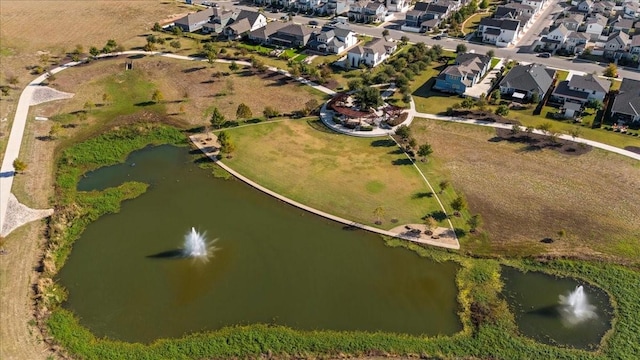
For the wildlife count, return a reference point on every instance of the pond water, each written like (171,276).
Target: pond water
(536,303)
(275,263)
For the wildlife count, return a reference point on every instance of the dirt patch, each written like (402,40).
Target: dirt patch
(538,142)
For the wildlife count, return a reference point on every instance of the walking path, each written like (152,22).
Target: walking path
(444,238)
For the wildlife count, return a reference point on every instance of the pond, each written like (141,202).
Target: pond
(537,301)
(274,264)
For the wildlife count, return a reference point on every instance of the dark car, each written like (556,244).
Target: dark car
(437,37)
(313,22)
(544,55)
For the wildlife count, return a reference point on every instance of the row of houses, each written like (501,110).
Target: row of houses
(508,22)
(427,15)
(523,81)
(602,26)
(357,10)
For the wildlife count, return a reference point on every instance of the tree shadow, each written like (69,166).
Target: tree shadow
(422,195)
(439,215)
(403,161)
(202,160)
(383,143)
(195,130)
(145,103)
(44,138)
(193,69)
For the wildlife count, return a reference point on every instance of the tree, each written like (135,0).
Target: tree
(270,112)
(444,184)
(404,40)
(495,96)
(611,71)
(175,44)
(468,103)
(458,204)
(474,222)
(177,31)
(575,132)
(403,131)
(430,224)
(484,4)
(424,151)
(502,110)
(385,32)
(411,143)
(217,119)
(94,51)
(156,27)
(545,127)
(369,97)
(378,213)
(233,66)
(157,97)
(491,53)
(211,56)
(355,84)
(535,97)
(595,104)
(461,49)
(243,112)
(227,148)
(54,131)
(19,166)
(515,129)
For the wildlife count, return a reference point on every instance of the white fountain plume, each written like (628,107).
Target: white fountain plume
(576,308)
(196,245)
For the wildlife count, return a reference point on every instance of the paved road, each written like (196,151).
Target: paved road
(543,19)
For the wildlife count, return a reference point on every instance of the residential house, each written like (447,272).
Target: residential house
(515,11)
(605,8)
(524,80)
(194,21)
(398,5)
(576,42)
(581,89)
(500,32)
(631,10)
(622,24)
(220,19)
(334,40)
(536,4)
(556,38)
(595,26)
(626,105)
(336,7)
(292,35)
(372,54)
(426,16)
(262,34)
(616,45)
(244,23)
(366,11)
(585,6)
(635,45)
(467,71)
(307,5)
(571,22)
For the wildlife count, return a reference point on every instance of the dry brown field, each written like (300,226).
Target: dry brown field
(526,196)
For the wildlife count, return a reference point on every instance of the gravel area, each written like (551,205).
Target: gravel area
(19,214)
(44,94)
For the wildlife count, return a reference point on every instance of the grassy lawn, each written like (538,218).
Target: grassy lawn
(615,85)
(345,176)
(524,196)
(494,62)
(472,22)
(562,75)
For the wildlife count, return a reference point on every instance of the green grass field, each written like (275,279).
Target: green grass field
(345,176)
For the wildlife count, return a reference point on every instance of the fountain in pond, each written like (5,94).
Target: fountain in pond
(196,246)
(575,307)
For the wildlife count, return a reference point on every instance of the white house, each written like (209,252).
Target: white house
(335,40)
(595,26)
(500,32)
(371,54)
(585,6)
(398,5)
(631,10)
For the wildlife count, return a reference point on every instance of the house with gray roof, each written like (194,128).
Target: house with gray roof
(576,42)
(499,32)
(523,80)
(245,22)
(571,22)
(194,21)
(292,35)
(371,54)
(581,89)
(624,25)
(467,71)
(626,105)
(595,26)
(334,40)
(634,48)
(262,34)
(220,19)
(617,45)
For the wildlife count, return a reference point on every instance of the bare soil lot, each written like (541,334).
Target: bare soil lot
(527,195)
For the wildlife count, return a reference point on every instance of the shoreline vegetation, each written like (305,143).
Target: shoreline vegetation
(489,329)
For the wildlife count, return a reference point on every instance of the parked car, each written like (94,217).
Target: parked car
(437,37)
(313,22)
(544,55)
